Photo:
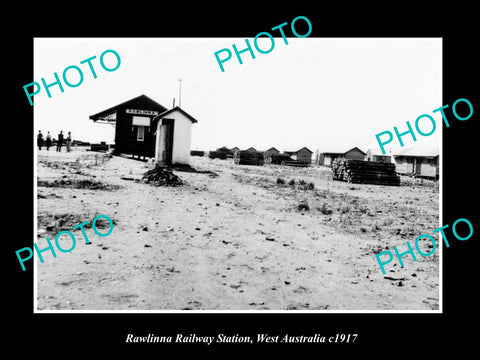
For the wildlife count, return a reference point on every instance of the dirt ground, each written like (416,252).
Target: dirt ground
(242,240)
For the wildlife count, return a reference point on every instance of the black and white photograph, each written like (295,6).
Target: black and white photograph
(194,178)
(261,187)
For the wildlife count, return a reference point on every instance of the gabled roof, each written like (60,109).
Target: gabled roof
(342,151)
(176,108)
(273,148)
(102,114)
(296,151)
(305,149)
(418,152)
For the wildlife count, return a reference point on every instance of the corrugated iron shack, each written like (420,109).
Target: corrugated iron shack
(377,156)
(418,162)
(226,151)
(303,155)
(272,151)
(328,157)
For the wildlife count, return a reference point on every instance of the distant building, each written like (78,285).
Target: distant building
(328,157)
(273,150)
(173,136)
(234,149)
(417,162)
(302,155)
(134,130)
(225,150)
(377,156)
(251,149)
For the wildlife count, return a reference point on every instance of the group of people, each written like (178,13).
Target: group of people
(48,141)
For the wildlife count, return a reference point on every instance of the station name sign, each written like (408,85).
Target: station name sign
(141,112)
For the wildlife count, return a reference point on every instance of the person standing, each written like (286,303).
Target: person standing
(69,141)
(48,141)
(60,141)
(39,139)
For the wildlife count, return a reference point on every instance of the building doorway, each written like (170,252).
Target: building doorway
(166,141)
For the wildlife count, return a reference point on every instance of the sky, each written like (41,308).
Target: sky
(322,93)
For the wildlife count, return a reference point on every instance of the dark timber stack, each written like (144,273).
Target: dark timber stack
(99,147)
(217,155)
(297,163)
(275,158)
(248,158)
(197,153)
(365,172)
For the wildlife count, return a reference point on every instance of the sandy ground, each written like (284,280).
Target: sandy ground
(238,241)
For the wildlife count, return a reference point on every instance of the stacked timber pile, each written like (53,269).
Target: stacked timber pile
(276,158)
(217,155)
(197,153)
(227,152)
(99,147)
(161,176)
(248,158)
(365,172)
(296,163)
